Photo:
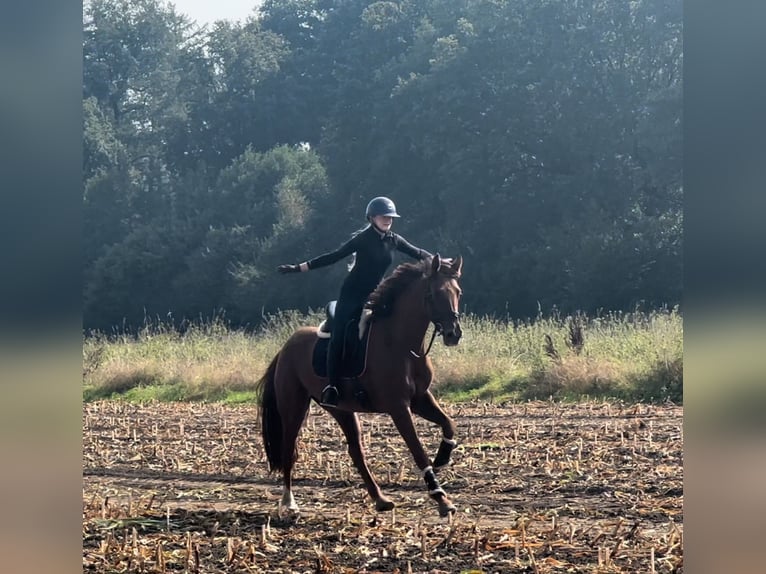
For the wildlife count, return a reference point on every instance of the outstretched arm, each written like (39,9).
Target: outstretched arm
(406,247)
(323,260)
(331,257)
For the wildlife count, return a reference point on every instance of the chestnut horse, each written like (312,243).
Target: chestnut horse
(395,381)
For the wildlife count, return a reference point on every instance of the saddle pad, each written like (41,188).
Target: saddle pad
(355,356)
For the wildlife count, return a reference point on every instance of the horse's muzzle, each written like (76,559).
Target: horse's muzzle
(452,336)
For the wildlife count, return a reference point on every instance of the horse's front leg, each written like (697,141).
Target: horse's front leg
(403,421)
(349,422)
(425,405)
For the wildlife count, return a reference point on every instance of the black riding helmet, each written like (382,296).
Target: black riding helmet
(381,206)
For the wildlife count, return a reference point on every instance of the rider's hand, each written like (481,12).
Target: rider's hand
(289,268)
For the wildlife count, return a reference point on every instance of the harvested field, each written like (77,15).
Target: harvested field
(540,487)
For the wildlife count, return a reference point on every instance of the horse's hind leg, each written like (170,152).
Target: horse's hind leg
(426,406)
(293,402)
(349,422)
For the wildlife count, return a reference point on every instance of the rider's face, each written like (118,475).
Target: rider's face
(383,222)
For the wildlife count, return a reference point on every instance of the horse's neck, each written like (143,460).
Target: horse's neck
(410,320)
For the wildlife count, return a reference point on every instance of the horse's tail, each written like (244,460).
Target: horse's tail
(271,421)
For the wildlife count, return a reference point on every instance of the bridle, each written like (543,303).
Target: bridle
(438,327)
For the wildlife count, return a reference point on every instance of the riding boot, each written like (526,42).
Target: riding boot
(330,394)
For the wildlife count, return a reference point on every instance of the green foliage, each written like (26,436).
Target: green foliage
(540,139)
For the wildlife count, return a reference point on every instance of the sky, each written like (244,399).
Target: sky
(207,11)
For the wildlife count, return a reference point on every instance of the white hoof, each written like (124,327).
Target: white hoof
(288,505)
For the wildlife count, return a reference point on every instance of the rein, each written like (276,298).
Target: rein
(437,330)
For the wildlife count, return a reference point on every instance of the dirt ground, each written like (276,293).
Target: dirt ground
(540,487)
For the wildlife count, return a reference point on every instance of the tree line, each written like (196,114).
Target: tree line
(540,139)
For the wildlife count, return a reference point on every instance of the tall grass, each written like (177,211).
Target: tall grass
(631,356)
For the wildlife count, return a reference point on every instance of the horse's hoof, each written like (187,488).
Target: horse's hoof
(384,504)
(445,506)
(288,511)
(446,510)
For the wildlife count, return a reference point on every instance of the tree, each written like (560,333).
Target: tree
(539,138)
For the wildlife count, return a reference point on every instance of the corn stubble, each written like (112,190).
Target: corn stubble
(541,487)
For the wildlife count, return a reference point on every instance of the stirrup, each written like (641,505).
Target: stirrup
(329,397)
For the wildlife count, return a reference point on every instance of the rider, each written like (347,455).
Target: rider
(373,247)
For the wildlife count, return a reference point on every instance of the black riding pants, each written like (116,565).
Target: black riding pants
(345,311)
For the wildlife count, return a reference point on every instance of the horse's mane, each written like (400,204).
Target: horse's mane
(381,301)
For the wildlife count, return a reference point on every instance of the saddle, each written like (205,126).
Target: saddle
(355,339)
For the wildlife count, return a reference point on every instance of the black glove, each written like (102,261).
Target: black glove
(289,269)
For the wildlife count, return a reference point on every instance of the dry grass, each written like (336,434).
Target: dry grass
(205,362)
(635,356)
(575,377)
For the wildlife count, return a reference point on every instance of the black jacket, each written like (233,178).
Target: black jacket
(374,255)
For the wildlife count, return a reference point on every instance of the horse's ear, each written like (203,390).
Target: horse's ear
(436,264)
(457,265)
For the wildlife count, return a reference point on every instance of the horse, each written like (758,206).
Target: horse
(396,379)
